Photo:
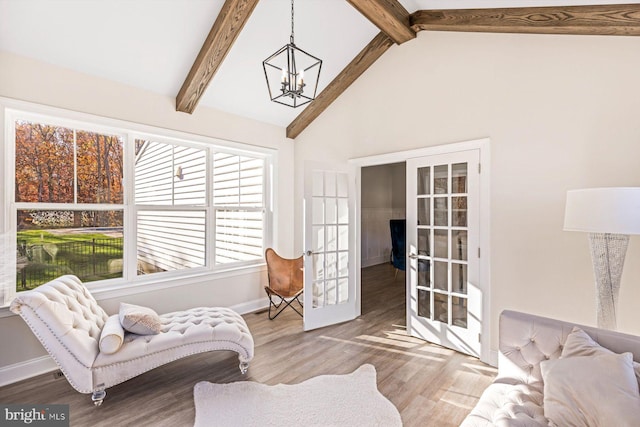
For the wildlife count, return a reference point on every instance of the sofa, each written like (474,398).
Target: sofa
(94,351)
(532,348)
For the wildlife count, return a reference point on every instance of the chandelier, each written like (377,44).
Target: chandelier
(292,74)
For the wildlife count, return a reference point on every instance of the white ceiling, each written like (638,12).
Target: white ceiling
(151,44)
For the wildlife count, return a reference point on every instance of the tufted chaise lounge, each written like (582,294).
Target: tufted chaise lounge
(516,396)
(68,321)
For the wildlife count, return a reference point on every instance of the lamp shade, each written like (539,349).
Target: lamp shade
(613,210)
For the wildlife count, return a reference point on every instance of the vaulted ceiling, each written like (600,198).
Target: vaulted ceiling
(153,44)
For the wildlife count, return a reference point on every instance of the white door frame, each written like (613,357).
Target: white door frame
(483,145)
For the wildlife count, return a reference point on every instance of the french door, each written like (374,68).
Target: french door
(329,272)
(444,295)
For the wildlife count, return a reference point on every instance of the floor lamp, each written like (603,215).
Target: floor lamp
(609,215)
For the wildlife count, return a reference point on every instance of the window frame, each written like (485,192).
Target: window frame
(130,282)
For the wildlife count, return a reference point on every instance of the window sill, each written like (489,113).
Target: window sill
(154,283)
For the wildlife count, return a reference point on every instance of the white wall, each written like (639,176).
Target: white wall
(33,81)
(382,198)
(561,112)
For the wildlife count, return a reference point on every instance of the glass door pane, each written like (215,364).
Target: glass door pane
(442,291)
(330,239)
(329,280)
(424,198)
(445,298)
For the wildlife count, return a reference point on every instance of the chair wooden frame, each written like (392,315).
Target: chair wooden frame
(285,282)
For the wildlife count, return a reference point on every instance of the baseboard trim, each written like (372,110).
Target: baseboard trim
(23,370)
(41,365)
(374,261)
(251,306)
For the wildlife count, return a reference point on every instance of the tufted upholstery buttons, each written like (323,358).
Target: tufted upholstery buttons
(182,333)
(507,404)
(516,396)
(68,322)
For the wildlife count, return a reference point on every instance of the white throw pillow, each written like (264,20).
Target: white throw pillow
(112,335)
(591,391)
(579,343)
(139,320)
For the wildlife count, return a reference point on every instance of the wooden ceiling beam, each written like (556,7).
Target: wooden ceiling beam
(389,16)
(351,72)
(223,34)
(620,19)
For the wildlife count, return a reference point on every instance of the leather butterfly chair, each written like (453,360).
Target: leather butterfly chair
(285,282)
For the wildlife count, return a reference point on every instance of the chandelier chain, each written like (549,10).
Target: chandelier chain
(292,22)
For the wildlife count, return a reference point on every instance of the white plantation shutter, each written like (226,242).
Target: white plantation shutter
(238,198)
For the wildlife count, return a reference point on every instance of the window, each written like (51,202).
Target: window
(113,203)
(171,200)
(68,198)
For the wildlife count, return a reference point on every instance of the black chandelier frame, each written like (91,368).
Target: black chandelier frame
(290,90)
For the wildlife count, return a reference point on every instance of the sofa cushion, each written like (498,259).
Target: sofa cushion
(112,335)
(139,320)
(579,343)
(508,403)
(575,386)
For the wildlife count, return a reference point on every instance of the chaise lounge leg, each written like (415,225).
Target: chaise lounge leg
(98,396)
(244,366)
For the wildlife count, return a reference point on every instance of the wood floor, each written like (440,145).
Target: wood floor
(430,385)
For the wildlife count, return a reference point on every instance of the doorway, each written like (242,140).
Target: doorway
(383,199)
